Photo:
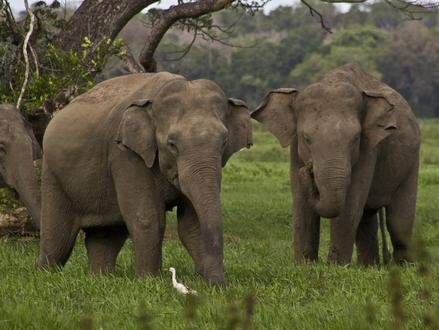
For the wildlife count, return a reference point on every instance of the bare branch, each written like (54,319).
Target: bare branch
(206,32)
(169,16)
(313,12)
(343,1)
(25,55)
(411,8)
(210,36)
(34,56)
(187,48)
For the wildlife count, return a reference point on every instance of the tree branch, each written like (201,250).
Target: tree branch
(344,1)
(113,16)
(410,8)
(25,55)
(35,57)
(186,50)
(314,11)
(168,17)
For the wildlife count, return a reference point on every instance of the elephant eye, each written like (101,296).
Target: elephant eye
(172,147)
(307,138)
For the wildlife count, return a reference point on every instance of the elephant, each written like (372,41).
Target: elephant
(354,146)
(18,150)
(120,155)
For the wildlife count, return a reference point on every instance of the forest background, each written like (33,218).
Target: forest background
(288,48)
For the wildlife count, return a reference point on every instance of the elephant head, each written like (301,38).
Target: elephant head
(328,124)
(18,150)
(190,129)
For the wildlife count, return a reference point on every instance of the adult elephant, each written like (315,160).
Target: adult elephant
(18,150)
(126,151)
(354,149)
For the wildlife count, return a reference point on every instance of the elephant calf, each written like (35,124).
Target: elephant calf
(117,157)
(18,150)
(354,149)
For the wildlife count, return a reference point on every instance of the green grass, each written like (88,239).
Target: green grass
(256,208)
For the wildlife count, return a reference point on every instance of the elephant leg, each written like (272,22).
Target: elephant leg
(306,231)
(342,237)
(58,226)
(401,217)
(189,232)
(103,245)
(306,222)
(367,239)
(344,227)
(146,233)
(143,211)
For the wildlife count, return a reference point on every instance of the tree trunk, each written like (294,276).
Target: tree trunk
(98,20)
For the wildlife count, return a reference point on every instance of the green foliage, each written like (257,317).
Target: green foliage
(360,44)
(256,202)
(54,71)
(288,48)
(7,201)
(410,64)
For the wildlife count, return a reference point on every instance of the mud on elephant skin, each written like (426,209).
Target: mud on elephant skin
(117,157)
(18,150)
(354,149)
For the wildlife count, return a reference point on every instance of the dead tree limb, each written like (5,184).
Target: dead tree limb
(314,11)
(25,55)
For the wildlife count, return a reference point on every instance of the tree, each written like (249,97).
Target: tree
(411,65)
(84,43)
(105,19)
(359,44)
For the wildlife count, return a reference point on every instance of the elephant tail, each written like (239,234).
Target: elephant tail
(385,249)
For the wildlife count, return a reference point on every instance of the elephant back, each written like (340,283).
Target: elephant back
(126,88)
(356,76)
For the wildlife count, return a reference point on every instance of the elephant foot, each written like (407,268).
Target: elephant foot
(336,257)
(216,280)
(402,257)
(101,269)
(45,263)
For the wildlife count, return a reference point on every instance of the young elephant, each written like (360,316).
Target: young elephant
(18,150)
(120,155)
(354,149)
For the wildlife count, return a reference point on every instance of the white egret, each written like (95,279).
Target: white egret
(181,288)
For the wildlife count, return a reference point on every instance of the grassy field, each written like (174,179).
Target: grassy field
(263,280)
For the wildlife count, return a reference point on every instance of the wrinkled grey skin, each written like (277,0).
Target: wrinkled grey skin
(354,149)
(18,150)
(122,154)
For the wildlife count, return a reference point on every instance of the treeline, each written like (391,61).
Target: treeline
(288,48)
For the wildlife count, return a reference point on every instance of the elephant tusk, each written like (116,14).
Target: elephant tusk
(181,288)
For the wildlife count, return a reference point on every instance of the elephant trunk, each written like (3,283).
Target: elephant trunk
(27,187)
(328,184)
(200,181)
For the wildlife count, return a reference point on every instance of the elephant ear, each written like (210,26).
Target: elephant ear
(136,131)
(239,127)
(276,113)
(380,120)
